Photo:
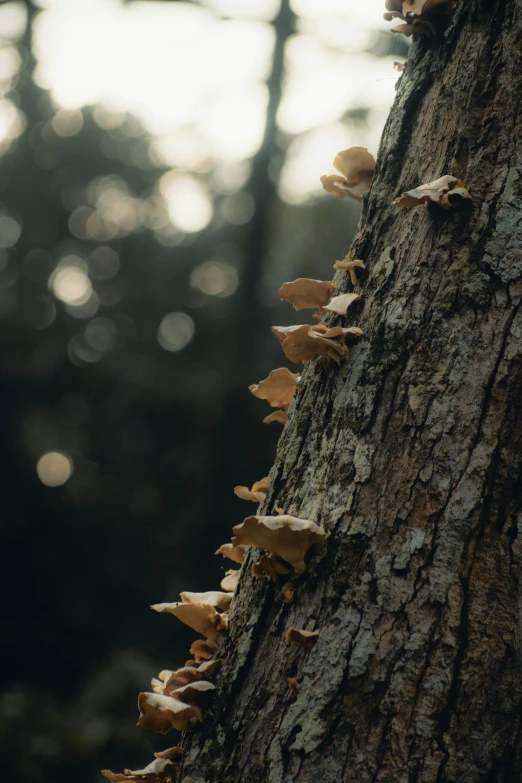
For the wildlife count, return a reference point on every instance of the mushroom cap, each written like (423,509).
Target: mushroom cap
(421,27)
(299,636)
(271,565)
(203,618)
(278,389)
(355,164)
(164,683)
(162,713)
(350,266)
(235,553)
(203,649)
(185,675)
(286,536)
(189,674)
(340,304)
(258,492)
(161,769)
(195,693)
(304,343)
(280,416)
(208,668)
(229,582)
(335,184)
(223,620)
(347,265)
(170,753)
(211,597)
(419,7)
(304,293)
(440,191)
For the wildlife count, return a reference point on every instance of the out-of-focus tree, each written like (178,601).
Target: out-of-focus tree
(135,298)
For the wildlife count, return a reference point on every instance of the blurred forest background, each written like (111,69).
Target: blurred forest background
(159,180)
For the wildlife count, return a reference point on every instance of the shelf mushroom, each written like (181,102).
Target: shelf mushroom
(164,769)
(356,166)
(287,537)
(443,191)
(162,713)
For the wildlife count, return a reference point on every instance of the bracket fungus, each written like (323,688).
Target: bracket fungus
(299,636)
(304,343)
(419,16)
(350,266)
(271,565)
(258,492)
(208,668)
(281,417)
(442,191)
(229,581)
(203,618)
(278,389)
(288,537)
(356,166)
(164,683)
(203,649)
(196,694)
(211,597)
(163,769)
(162,713)
(235,553)
(168,681)
(340,304)
(304,293)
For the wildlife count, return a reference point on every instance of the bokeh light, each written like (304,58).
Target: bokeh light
(13,19)
(175,331)
(67,122)
(255,9)
(216,278)
(308,157)
(238,208)
(216,113)
(71,285)
(101,334)
(39,312)
(54,468)
(104,263)
(10,231)
(189,204)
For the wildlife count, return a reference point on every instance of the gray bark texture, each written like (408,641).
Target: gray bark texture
(409,454)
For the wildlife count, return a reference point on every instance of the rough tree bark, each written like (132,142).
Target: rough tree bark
(409,454)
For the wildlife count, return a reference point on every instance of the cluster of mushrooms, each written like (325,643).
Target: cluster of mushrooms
(357,167)
(418,16)
(178,698)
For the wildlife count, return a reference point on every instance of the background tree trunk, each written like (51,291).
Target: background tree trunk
(409,454)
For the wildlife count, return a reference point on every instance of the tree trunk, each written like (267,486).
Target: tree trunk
(409,454)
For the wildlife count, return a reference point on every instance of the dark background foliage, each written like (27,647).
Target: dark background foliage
(158,439)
